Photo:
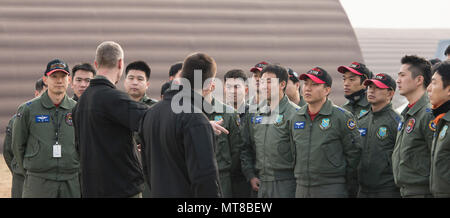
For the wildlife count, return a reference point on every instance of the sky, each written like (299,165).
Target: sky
(398,13)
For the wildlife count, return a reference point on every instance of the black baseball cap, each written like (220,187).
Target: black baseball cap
(382,81)
(55,66)
(357,68)
(259,66)
(318,75)
(293,75)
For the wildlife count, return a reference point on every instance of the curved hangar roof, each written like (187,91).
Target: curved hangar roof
(299,34)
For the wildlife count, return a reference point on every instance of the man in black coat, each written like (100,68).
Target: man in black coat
(104,121)
(178,148)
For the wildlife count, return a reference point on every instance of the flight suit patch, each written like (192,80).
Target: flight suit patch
(325,124)
(258,119)
(382,133)
(410,125)
(400,125)
(362,112)
(279,120)
(299,125)
(362,131)
(68,119)
(351,124)
(443,132)
(432,126)
(217,118)
(42,118)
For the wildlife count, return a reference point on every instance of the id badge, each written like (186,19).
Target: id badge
(57,151)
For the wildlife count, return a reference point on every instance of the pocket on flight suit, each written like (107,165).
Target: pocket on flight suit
(421,164)
(32,148)
(333,154)
(284,150)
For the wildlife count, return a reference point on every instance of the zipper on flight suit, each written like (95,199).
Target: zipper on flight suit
(309,156)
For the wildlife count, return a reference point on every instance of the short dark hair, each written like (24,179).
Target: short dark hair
(175,68)
(139,65)
(165,87)
(443,69)
(39,85)
(434,61)
(279,71)
(235,74)
(84,66)
(198,61)
(447,51)
(419,67)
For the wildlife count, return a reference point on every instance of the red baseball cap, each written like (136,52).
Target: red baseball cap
(259,66)
(56,65)
(382,81)
(317,75)
(356,68)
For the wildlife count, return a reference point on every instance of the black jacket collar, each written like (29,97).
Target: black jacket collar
(101,80)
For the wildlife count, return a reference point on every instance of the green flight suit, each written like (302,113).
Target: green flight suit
(148,101)
(412,157)
(248,153)
(378,131)
(327,152)
(302,102)
(273,158)
(39,129)
(17,175)
(359,107)
(228,154)
(440,159)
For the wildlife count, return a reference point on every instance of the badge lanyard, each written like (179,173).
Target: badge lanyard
(57,125)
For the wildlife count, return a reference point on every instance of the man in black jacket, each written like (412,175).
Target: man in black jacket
(104,121)
(178,147)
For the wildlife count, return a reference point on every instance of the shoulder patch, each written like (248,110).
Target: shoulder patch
(428,110)
(325,124)
(68,119)
(410,125)
(362,112)
(342,110)
(218,117)
(351,124)
(443,132)
(382,133)
(432,126)
(28,103)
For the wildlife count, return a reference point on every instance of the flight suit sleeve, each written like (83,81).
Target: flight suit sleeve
(248,152)
(427,129)
(200,159)
(126,111)
(351,142)
(20,133)
(144,153)
(7,150)
(76,133)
